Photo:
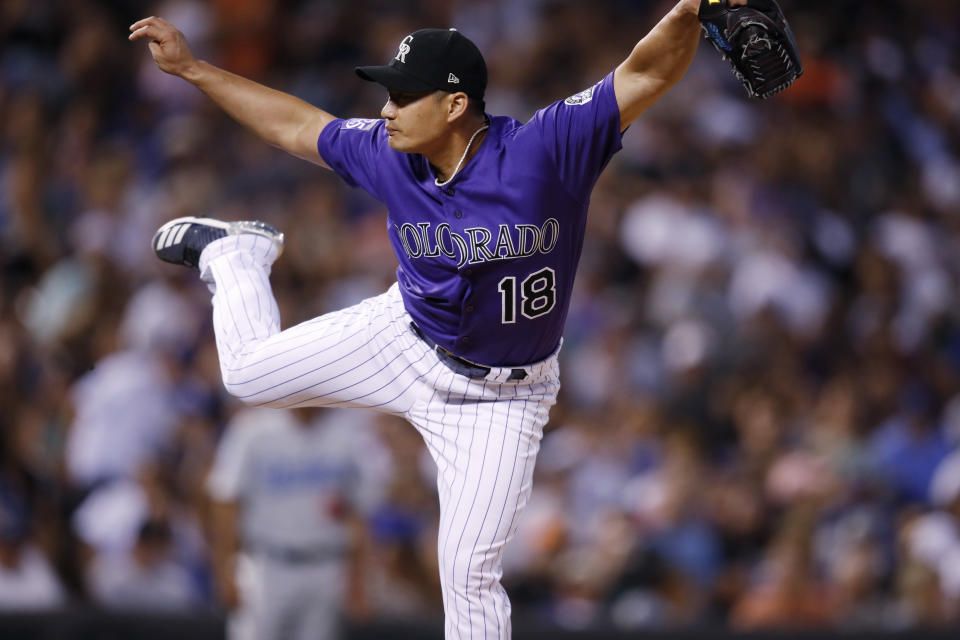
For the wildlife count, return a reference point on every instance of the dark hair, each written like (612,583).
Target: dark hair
(478,107)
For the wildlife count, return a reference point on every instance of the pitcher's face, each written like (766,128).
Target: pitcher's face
(415,122)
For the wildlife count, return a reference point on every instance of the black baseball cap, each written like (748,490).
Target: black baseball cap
(430,60)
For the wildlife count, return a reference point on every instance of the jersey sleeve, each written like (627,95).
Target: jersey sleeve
(352,148)
(581,133)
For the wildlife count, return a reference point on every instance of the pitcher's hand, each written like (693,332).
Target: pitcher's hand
(167,45)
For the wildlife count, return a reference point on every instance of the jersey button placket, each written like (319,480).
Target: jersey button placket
(458,214)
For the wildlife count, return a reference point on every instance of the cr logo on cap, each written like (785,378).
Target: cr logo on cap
(404,49)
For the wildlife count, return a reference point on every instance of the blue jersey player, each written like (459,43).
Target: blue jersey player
(486,216)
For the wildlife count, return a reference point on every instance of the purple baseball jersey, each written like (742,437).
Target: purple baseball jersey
(487,261)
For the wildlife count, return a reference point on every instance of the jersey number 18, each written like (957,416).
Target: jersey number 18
(538,295)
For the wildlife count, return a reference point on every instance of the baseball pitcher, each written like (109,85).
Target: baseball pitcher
(486,215)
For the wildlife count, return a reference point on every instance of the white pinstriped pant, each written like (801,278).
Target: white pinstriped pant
(483,434)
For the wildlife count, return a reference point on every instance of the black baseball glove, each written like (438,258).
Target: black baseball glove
(757,42)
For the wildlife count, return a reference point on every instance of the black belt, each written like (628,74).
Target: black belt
(458,364)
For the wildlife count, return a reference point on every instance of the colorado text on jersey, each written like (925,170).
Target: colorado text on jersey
(476,244)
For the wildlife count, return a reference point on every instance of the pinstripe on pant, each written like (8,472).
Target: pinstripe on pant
(484,433)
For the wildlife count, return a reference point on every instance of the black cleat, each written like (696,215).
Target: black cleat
(181,240)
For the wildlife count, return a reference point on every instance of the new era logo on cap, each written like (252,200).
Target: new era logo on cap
(432,59)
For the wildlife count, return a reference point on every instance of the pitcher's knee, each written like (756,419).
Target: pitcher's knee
(259,392)
(243,393)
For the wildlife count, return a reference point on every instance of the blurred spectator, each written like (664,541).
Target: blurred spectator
(126,408)
(148,578)
(786,593)
(27,579)
(909,446)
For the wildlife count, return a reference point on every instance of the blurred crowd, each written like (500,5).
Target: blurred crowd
(760,418)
